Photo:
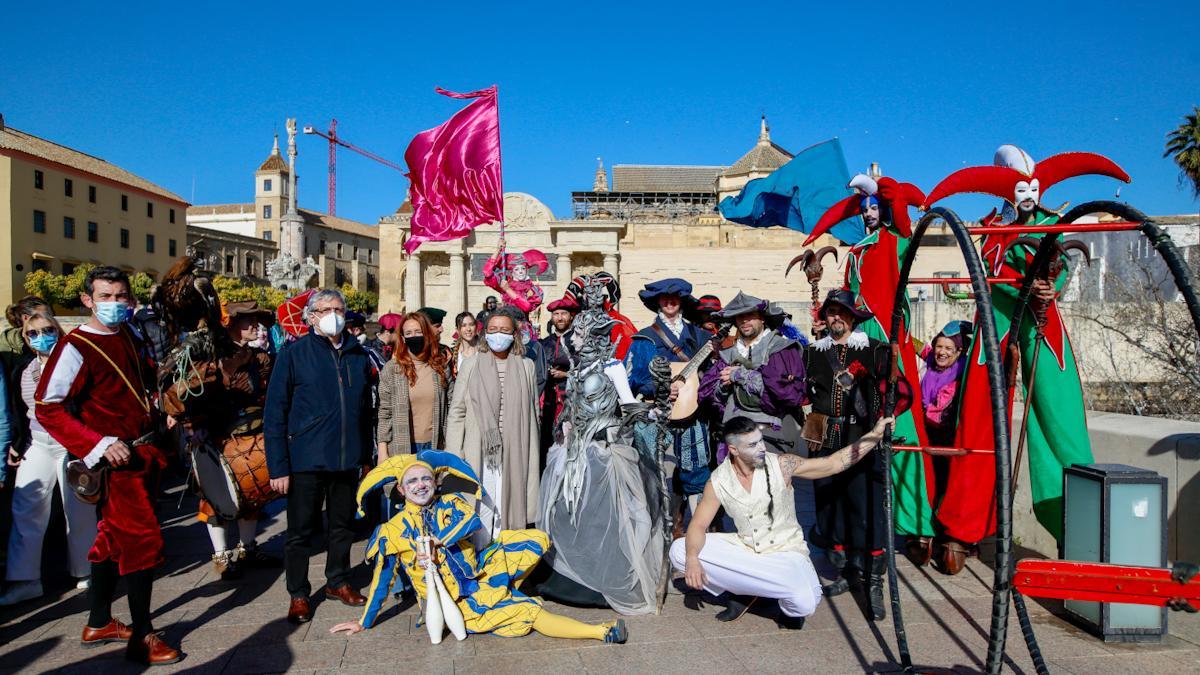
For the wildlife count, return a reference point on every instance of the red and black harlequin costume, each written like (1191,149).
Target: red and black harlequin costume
(1057,433)
(94,391)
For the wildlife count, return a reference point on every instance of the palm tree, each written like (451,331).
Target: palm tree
(1183,146)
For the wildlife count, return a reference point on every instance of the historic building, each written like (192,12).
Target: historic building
(241,238)
(60,207)
(655,222)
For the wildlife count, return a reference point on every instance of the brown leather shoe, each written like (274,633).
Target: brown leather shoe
(919,550)
(115,631)
(953,557)
(347,595)
(152,651)
(299,611)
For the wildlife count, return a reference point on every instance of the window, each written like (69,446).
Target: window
(68,227)
(124,202)
(92,194)
(149,243)
(171,216)
(266,211)
(267,235)
(124,238)
(229,263)
(171,247)
(250,271)
(322,247)
(370,255)
(39,222)
(149,209)
(40,265)
(339,251)
(356,253)
(39,182)
(266,185)
(68,268)
(68,187)
(93,232)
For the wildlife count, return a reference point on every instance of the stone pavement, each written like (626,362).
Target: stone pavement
(239,627)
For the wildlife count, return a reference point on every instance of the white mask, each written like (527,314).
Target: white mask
(1027,190)
(499,342)
(331,324)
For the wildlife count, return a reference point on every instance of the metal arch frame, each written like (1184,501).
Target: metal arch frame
(997,366)
(1002,583)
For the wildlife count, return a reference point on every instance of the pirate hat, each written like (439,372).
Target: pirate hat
(654,290)
(844,298)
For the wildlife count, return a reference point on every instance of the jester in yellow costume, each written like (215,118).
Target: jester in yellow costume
(440,491)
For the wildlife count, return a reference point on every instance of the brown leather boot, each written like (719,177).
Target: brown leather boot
(115,631)
(152,651)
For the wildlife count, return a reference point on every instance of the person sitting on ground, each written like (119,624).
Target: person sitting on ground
(483,584)
(767,556)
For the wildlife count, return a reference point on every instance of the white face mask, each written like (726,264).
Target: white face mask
(499,342)
(1027,190)
(331,324)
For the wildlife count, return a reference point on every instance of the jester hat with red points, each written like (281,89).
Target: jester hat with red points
(1013,168)
(888,193)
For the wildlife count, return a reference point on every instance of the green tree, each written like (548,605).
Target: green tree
(363,302)
(46,286)
(142,283)
(1183,147)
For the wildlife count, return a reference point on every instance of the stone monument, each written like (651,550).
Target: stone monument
(291,270)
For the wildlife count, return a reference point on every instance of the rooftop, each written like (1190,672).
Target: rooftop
(765,156)
(20,141)
(310,218)
(657,178)
(274,161)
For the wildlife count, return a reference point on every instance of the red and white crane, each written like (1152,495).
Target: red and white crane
(334,141)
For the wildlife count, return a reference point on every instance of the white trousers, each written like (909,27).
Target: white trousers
(729,566)
(44,469)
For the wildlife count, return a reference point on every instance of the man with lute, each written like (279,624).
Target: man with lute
(677,340)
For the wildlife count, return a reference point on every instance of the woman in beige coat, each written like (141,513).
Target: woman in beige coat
(493,425)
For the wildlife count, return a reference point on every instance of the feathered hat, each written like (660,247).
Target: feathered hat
(887,192)
(453,474)
(1013,165)
(534,259)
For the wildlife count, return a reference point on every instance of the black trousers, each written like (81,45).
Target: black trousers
(307,493)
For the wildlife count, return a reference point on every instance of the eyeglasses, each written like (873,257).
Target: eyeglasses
(322,312)
(34,332)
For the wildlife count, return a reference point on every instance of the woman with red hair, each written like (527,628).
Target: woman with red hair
(413,390)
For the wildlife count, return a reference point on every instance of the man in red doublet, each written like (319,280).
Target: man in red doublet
(94,399)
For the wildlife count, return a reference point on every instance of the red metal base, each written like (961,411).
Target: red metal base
(1098,582)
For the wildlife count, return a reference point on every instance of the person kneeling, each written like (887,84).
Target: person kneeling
(481,584)
(767,556)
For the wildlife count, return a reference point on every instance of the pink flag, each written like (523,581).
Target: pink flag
(454,170)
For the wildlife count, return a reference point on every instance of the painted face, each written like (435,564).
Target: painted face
(870,214)
(1026,195)
(418,485)
(520,272)
(750,448)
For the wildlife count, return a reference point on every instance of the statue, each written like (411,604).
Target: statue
(291,270)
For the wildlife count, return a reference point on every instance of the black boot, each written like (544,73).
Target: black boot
(738,605)
(875,586)
(841,584)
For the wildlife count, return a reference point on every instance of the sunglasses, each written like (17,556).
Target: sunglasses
(49,330)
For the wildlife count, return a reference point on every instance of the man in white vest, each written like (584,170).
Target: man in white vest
(767,557)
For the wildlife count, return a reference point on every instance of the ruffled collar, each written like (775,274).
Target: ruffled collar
(858,340)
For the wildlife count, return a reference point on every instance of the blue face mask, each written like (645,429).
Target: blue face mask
(112,314)
(43,343)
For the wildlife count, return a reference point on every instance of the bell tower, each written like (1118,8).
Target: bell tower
(271,192)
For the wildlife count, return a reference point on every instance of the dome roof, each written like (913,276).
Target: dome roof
(764,157)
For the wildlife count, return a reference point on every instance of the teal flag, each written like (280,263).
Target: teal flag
(797,194)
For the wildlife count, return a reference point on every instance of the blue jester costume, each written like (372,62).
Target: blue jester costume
(482,583)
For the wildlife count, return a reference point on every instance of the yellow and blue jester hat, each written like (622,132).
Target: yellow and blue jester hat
(452,474)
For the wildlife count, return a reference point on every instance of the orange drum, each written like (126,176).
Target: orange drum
(235,481)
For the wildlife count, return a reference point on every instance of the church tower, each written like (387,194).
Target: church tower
(271,186)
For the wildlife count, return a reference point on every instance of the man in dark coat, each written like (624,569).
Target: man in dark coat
(555,353)
(318,428)
(844,371)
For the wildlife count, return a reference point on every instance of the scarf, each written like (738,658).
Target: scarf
(487,397)
(935,380)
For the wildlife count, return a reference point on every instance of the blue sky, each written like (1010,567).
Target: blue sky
(191,92)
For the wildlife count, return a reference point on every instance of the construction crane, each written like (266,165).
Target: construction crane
(334,141)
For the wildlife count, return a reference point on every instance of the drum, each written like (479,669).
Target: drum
(235,481)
